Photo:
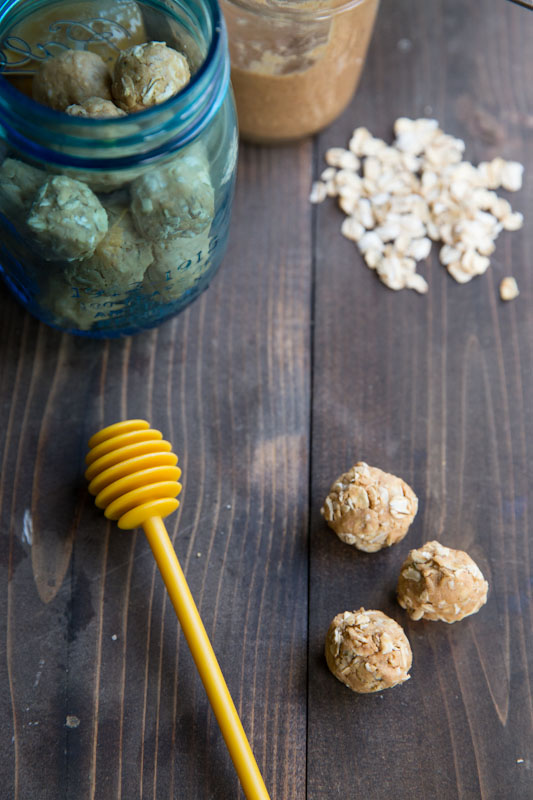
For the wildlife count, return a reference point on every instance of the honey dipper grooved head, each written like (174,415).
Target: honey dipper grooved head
(133,473)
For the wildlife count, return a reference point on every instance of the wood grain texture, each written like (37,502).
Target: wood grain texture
(87,630)
(293,365)
(436,389)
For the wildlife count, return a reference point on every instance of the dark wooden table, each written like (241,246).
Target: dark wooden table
(294,364)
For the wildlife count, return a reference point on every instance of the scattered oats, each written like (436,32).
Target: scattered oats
(449,255)
(382,199)
(509,288)
(473,263)
(373,146)
(513,222)
(372,168)
(457,272)
(416,282)
(348,204)
(352,229)
(501,208)
(328,174)
(371,241)
(389,231)
(344,159)
(318,192)
(511,176)
(359,137)
(364,213)
(433,231)
(331,189)
(414,135)
(346,177)
(348,190)
(399,198)
(491,172)
(372,258)
(419,249)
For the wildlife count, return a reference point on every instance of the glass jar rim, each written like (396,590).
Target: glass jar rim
(299,9)
(191,109)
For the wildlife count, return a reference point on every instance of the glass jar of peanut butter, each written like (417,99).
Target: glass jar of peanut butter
(295,64)
(118,149)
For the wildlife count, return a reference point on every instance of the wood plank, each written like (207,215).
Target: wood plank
(87,631)
(435,389)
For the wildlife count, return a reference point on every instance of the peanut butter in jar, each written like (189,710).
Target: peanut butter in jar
(295,64)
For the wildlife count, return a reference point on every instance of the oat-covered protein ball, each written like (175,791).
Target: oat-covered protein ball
(67,219)
(71,77)
(438,583)
(368,651)
(95,108)
(174,201)
(119,260)
(148,74)
(178,265)
(369,508)
(19,183)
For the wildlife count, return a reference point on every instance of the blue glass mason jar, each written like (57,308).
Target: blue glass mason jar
(153,189)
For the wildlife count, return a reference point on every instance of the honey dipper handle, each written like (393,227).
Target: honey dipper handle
(205,660)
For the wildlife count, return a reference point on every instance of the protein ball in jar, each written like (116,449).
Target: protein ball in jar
(368,651)
(369,508)
(95,108)
(119,260)
(19,184)
(67,219)
(71,77)
(174,201)
(148,74)
(439,583)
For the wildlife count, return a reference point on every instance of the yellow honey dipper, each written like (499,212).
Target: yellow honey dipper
(133,473)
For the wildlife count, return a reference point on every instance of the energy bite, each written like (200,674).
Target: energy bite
(174,201)
(369,508)
(438,583)
(67,219)
(19,183)
(368,651)
(95,108)
(119,260)
(148,74)
(71,77)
